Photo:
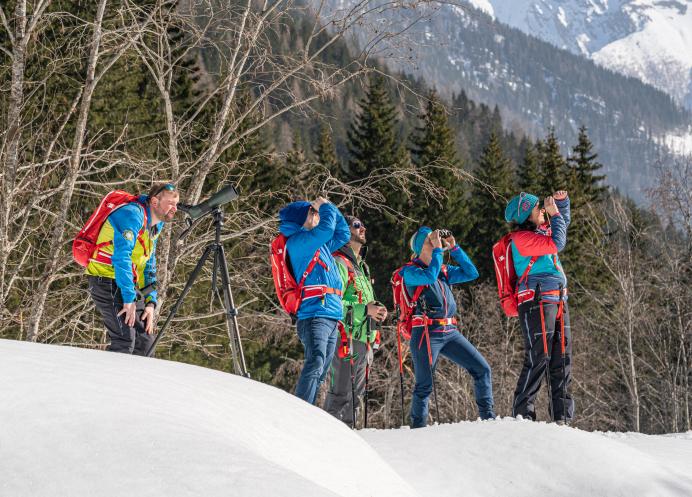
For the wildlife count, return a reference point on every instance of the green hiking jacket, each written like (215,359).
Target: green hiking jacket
(350,298)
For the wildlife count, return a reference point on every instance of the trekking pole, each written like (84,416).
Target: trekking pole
(367,373)
(349,317)
(562,350)
(430,360)
(545,352)
(401,367)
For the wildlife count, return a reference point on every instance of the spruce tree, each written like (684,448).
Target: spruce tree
(553,166)
(493,187)
(374,145)
(433,152)
(325,152)
(583,166)
(585,193)
(529,172)
(373,137)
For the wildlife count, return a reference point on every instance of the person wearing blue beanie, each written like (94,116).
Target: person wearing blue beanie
(315,229)
(520,207)
(434,326)
(542,302)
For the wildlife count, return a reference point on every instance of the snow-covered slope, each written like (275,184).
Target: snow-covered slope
(647,39)
(77,422)
(511,458)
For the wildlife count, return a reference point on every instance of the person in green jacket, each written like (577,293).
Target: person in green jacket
(348,368)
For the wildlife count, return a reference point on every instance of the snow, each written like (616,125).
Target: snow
(77,422)
(678,143)
(647,39)
(484,5)
(561,16)
(89,423)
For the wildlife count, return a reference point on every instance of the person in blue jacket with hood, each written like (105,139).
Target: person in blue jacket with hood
(435,328)
(315,228)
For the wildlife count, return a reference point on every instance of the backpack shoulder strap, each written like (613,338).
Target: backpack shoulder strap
(351,274)
(419,289)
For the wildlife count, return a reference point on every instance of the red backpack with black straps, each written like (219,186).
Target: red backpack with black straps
(506,276)
(289,292)
(403,302)
(84,244)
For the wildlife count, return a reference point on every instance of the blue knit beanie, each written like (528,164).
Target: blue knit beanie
(520,207)
(295,212)
(418,239)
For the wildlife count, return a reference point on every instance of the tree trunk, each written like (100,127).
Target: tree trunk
(58,231)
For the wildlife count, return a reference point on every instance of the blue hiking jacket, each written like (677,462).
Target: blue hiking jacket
(329,235)
(129,218)
(544,243)
(437,298)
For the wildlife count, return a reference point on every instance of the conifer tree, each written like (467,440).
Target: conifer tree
(374,145)
(529,173)
(433,149)
(585,191)
(583,166)
(373,137)
(325,152)
(553,166)
(493,187)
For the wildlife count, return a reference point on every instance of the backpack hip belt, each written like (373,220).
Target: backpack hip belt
(425,321)
(528,295)
(315,291)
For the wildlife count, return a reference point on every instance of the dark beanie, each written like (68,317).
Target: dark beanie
(295,212)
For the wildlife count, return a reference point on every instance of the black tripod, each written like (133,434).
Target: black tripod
(216,250)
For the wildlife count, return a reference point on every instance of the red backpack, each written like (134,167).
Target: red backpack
(289,292)
(507,283)
(84,244)
(405,304)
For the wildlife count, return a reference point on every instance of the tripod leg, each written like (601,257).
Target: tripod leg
(231,316)
(190,281)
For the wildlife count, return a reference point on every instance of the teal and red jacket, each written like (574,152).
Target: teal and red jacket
(544,244)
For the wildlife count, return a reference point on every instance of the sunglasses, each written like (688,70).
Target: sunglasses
(357,225)
(169,187)
(313,210)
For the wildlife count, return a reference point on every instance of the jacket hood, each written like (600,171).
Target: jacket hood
(347,250)
(289,228)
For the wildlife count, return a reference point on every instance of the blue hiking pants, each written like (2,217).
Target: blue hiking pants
(318,336)
(454,346)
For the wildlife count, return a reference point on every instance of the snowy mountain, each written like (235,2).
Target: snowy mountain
(537,86)
(647,39)
(89,423)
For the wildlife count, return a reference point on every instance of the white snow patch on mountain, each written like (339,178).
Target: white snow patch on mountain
(647,39)
(484,5)
(76,422)
(680,143)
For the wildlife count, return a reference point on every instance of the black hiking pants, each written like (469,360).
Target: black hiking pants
(339,402)
(109,302)
(539,336)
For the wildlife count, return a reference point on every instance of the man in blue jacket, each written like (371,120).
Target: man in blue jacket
(124,263)
(316,228)
(434,327)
